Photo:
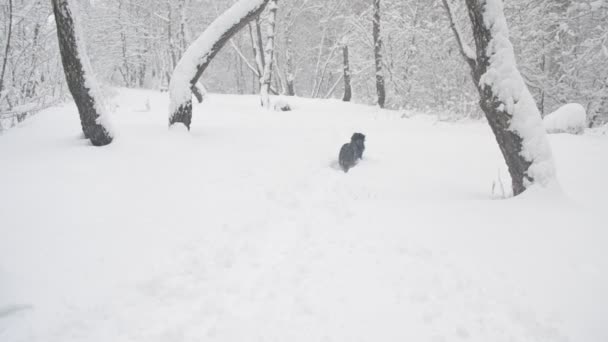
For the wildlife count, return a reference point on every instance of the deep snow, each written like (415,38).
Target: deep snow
(245,230)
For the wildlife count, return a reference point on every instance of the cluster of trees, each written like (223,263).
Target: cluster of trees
(561,47)
(394,53)
(31,77)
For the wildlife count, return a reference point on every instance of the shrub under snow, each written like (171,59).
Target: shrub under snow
(570,118)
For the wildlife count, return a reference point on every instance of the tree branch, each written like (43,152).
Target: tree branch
(466,51)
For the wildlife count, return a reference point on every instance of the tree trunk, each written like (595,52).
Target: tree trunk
(291,90)
(378,55)
(8,45)
(347,86)
(269,55)
(256,53)
(194,61)
(504,98)
(79,76)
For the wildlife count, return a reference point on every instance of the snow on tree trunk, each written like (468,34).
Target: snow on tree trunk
(79,76)
(269,55)
(347,87)
(378,55)
(200,53)
(504,97)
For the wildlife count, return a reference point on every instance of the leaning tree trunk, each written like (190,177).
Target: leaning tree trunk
(198,56)
(269,55)
(504,97)
(347,87)
(79,76)
(378,55)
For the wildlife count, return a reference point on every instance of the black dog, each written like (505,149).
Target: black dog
(351,153)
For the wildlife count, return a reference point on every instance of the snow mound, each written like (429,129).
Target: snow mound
(570,118)
(281,105)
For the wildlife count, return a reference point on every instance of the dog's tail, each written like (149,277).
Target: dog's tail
(343,165)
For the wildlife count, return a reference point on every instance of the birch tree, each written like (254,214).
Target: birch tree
(269,55)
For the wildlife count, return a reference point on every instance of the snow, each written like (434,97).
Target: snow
(199,51)
(508,85)
(569,118)
(244,229)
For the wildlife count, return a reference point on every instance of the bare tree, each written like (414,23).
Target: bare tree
(255,34)
(291,89)
(269,55)
(8,45)
(504,97)
(198,56)
(378,55)
(79,76)
(347,86)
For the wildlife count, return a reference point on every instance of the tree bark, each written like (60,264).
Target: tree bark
(181,111)
(380,89)
(78,76)
(347,87)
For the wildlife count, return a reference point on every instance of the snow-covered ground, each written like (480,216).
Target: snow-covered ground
(245,230)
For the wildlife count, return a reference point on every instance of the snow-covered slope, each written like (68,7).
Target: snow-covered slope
(245,230)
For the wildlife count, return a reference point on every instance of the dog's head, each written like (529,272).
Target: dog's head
(358,139)
(357,136)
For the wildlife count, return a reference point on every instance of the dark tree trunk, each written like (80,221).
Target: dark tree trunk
(183,111)
(291,89)
(347,87)
(378,55)
(510,143)
(499,119)
(75,64)
(8,45)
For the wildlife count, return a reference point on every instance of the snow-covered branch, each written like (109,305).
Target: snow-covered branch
(198,56)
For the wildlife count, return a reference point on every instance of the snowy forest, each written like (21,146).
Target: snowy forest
(561,47)
(303,170)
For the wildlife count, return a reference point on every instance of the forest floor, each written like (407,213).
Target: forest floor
(245,230)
